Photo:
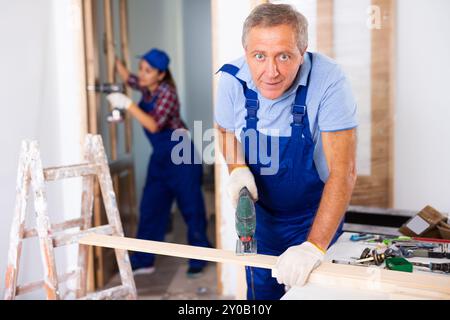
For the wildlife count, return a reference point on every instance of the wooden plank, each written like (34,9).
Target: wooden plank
(392,282)
(108,15)
(92,65)
(325,27)
(217,163)
(92,72)
(87,205)
(64,239)
(329,274)
(179,250)
(57,227)
(18,223)
(113,215)
(66,172)
(392,69)
(43,224)
(124,45)
(254,3)
(130,184)
(109,294)
(377,189)
(33,286)
(110,68)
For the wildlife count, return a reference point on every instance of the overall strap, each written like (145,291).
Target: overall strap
(251,97)
(299,111)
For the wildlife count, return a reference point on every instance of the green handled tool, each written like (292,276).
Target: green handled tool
(399,264)
(245,224)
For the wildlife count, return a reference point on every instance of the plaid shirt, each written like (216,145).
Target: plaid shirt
(166,111)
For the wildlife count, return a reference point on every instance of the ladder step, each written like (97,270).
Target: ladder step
(65,172)
(109,294)
(64,239)
(57,227)
(32,286)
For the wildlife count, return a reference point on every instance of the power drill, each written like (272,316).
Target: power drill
(245,224)
(116,115)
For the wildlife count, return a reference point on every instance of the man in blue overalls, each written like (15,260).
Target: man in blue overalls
(296,109)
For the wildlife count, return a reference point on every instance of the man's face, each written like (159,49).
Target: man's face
(274,59)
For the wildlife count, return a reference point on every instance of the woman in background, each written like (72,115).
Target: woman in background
(159,113)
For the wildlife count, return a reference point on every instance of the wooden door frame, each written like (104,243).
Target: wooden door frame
(217,163)
(375,190)
(118,165)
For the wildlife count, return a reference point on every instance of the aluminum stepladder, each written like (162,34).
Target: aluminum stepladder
(32,178)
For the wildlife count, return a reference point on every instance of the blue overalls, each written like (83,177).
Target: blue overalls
(165,182)
(288,200)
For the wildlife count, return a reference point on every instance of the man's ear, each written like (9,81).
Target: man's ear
(304,52)
(303,55)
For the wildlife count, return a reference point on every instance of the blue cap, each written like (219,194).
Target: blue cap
(157,59)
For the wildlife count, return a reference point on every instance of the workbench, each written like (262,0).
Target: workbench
(345,249)
(328,281)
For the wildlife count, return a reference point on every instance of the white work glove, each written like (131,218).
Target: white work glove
(239,178)
(296,263)
(119,101)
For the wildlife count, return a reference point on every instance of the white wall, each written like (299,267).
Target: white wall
(41,94)
(197,62)
(422,131)
(229,19)
(155,23)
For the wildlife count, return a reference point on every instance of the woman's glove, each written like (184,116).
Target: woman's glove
(119,101)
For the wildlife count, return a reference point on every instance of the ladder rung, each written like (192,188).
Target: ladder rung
(60,240)
(65,172)
(57,227)
(109,294)
(32,286)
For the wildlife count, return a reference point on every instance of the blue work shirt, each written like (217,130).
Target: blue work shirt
(330,104)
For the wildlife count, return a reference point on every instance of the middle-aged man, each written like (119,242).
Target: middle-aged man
(297,108)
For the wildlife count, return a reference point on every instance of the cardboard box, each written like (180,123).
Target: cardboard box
(444,230)
(424,224)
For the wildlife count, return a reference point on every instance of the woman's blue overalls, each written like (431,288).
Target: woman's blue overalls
(165,182)
(288,200)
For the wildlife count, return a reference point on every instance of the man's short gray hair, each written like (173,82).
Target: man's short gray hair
(272,15)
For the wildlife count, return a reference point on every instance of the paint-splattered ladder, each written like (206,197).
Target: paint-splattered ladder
(32,175)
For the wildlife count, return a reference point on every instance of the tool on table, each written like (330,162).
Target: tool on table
(399,264)
(411,241)
(394,250)
(369,255)
(363,236)
(434,267)
(245,223)
(349,262)
(426,254)
(116,115)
